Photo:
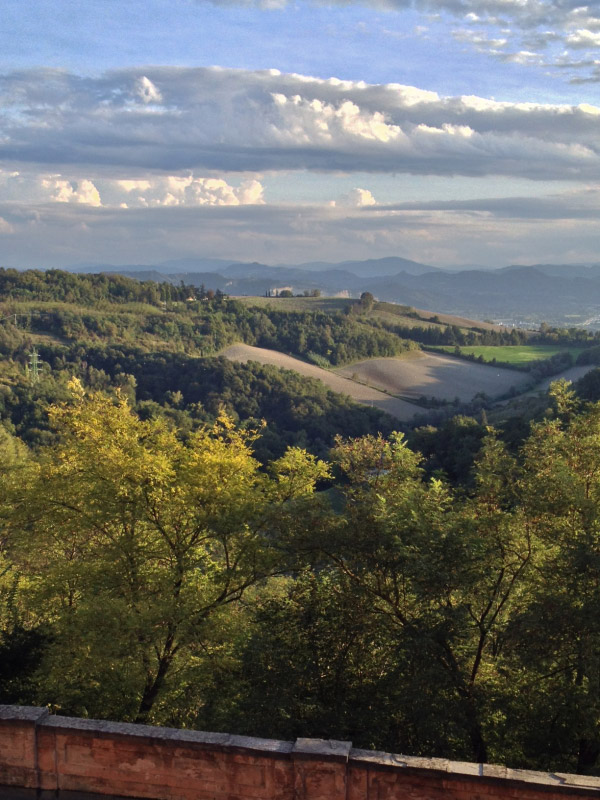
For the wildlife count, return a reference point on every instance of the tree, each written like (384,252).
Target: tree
(367,301)
(136,543)
(443,575)
(558,632)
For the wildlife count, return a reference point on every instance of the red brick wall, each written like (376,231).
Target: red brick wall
(39,751)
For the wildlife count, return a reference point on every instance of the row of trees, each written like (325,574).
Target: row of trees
(453,335)
(148,578)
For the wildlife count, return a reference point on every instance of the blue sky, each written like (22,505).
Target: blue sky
(351,42)
(325,131)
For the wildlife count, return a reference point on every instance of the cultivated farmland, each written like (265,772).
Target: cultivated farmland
(519,355)
(337,383)
(433,375)
(371,382)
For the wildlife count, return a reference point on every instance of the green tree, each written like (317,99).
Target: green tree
(444,576)
(557,635)
(367,301)
(136,543)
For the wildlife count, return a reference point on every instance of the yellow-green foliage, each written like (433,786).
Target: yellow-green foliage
(134,542)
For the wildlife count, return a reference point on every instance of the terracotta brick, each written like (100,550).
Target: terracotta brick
(18,745)
(118,759)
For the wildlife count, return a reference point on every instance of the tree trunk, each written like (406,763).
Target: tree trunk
(155,683)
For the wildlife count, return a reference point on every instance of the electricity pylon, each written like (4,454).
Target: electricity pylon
(34,367)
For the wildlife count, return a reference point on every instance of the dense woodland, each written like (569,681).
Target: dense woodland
(167,557)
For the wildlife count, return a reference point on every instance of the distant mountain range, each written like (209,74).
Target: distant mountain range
(564,294)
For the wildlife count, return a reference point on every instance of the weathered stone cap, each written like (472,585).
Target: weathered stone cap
(22,713)
(175,735)
(466,769)
(330,749)
(310,749)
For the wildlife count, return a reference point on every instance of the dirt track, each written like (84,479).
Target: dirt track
(337,383)
(432,375)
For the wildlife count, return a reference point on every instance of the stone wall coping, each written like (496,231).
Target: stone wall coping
(176,736)
(303,749)
(465,769)
(329,749)
(22,713)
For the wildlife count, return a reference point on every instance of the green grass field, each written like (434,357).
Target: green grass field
(519,355)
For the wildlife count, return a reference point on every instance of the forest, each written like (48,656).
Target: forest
(193,543)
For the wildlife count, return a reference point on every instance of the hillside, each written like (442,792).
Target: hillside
(112,330)
(395,313)
(515,295)
(429,375)
(340,382)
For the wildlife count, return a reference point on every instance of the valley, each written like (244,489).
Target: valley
(210,505)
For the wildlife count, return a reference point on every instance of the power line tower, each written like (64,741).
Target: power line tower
(33,368)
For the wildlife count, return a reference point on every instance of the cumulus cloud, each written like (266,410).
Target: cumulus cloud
(190,191)
(357,198)
(137,165)
(222,120)
(171,190)
(583,38)
(63,191)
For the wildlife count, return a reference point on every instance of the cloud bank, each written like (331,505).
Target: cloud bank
(491,231)
(172,190)
(193,121)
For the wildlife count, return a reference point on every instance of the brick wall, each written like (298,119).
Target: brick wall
(53,756)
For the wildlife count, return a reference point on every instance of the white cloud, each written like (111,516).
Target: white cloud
(524,57)
(133,185)
(583,38)
(492,26)
(171,190)
(178,190)
(216,121)
(586,108)
(311,121)
(481,42)
(357,198)
(63,191)
(147,91)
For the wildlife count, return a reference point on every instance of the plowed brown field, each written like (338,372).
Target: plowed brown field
(337,383)
(432,375)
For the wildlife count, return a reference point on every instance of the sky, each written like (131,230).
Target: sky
(450,132)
